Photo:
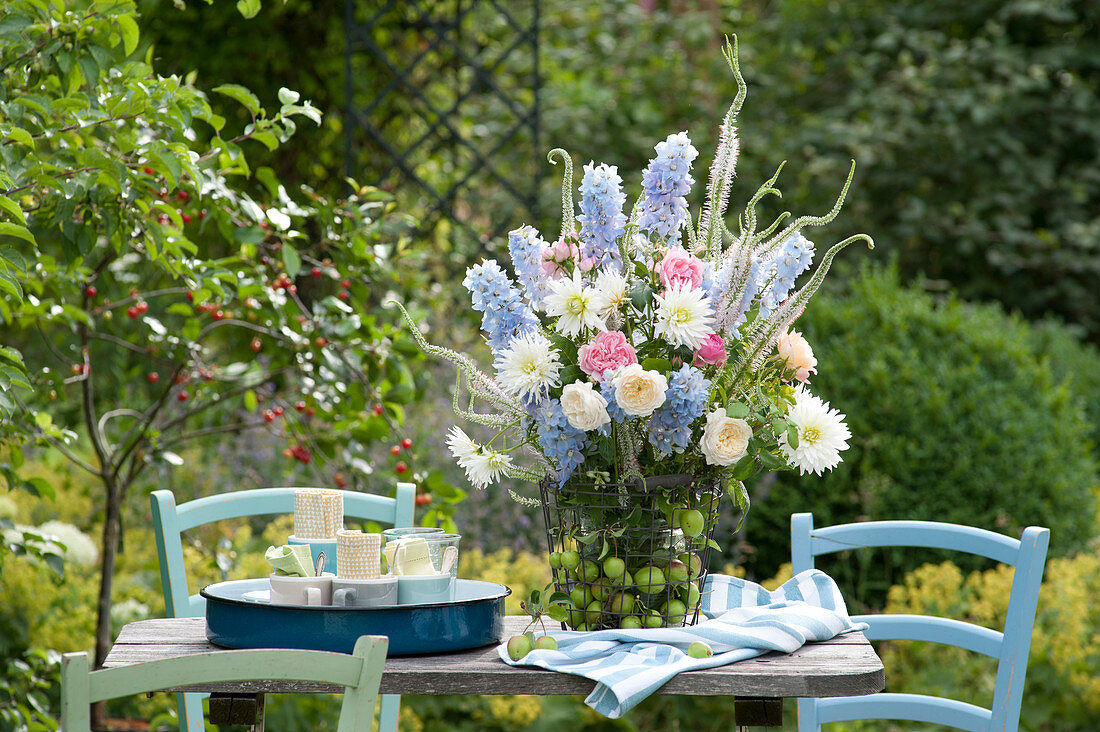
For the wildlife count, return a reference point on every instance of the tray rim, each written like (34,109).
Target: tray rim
(503,592)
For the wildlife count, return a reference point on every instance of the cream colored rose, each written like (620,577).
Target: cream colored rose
(583,407)
(724,438)
(638,391)
(794,349)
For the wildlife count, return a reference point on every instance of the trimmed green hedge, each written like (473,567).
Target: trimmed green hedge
(955,415)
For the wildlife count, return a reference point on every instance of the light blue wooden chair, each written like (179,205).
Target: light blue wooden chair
(1010,647)
(169,520)
(359,674)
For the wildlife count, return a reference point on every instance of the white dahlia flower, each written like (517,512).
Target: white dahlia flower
(822,434)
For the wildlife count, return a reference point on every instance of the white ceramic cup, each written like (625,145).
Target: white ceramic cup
(364,592)
(301,590)
(424,588)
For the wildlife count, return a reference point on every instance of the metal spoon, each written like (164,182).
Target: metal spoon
(320,564)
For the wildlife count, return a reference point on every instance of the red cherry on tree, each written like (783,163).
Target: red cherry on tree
(256,345)
(320,342)
(343,294)
(406,443)
(378,410)
(339,480)
(423,499)
(401,467)
(132,312)
(142,307)
(91,291)
(300,406)
(147,170)
(288,453)
(186,218)
(183,195)
(395,450)
(278,411)
(345,284)
(183,396)
(269,416)
(190,296)
(152,377)
(316,271)
(310,411)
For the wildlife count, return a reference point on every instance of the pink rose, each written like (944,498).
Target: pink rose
(608,350)
(680,267)
(564,250)
(711,351)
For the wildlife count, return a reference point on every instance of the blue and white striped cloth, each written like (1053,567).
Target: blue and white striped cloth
(744,620)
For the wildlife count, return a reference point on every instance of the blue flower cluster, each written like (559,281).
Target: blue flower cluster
(505,315)
(685,401)
(776,276)
(525,247)
(602,216)
(560,441)
(607,391)
(665,184)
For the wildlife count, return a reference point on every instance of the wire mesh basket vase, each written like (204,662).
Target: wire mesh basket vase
(631,555)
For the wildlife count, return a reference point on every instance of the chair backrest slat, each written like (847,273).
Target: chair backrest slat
(359,673)
(929,534)
(1010,647)
(933,629)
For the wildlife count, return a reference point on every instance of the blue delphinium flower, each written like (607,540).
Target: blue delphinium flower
(525,247)
(607,391)
(665,184)
(602,218)
(685,401)
(505,315)
(776,276)
(560,441)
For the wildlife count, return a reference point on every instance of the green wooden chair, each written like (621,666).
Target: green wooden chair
(360,674)
(170,520)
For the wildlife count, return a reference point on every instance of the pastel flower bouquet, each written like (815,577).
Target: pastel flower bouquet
(645,366)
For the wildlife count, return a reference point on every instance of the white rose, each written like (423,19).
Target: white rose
(725,439)
(638,391)
(794,349)
(583,407)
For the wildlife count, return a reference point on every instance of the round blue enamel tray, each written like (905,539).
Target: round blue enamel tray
(239,615)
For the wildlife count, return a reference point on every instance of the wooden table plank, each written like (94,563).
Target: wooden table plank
(845,666)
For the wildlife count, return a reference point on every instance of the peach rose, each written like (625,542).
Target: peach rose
(583,408)
(794,349)
(638,392)
(725,439)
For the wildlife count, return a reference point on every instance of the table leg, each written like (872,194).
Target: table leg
(238,709)
(757,711)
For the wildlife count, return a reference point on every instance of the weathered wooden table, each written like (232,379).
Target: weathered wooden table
(844,666)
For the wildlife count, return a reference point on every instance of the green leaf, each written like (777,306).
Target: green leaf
(744,468)
(400,394)
(9,229)
(571,373)
(604,551)
(242,95)
(792,435)
(56,562)
(641,296)
(21,136)
(249,235)
(292,261)
(771,461)
(250,401)
(39,487)
(269,140)
(248,8)
(288,96)
(660,365)
(128,28)
(737,410)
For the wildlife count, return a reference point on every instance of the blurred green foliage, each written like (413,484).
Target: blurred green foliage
(955,417)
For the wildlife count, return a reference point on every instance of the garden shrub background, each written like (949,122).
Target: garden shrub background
(974,129)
